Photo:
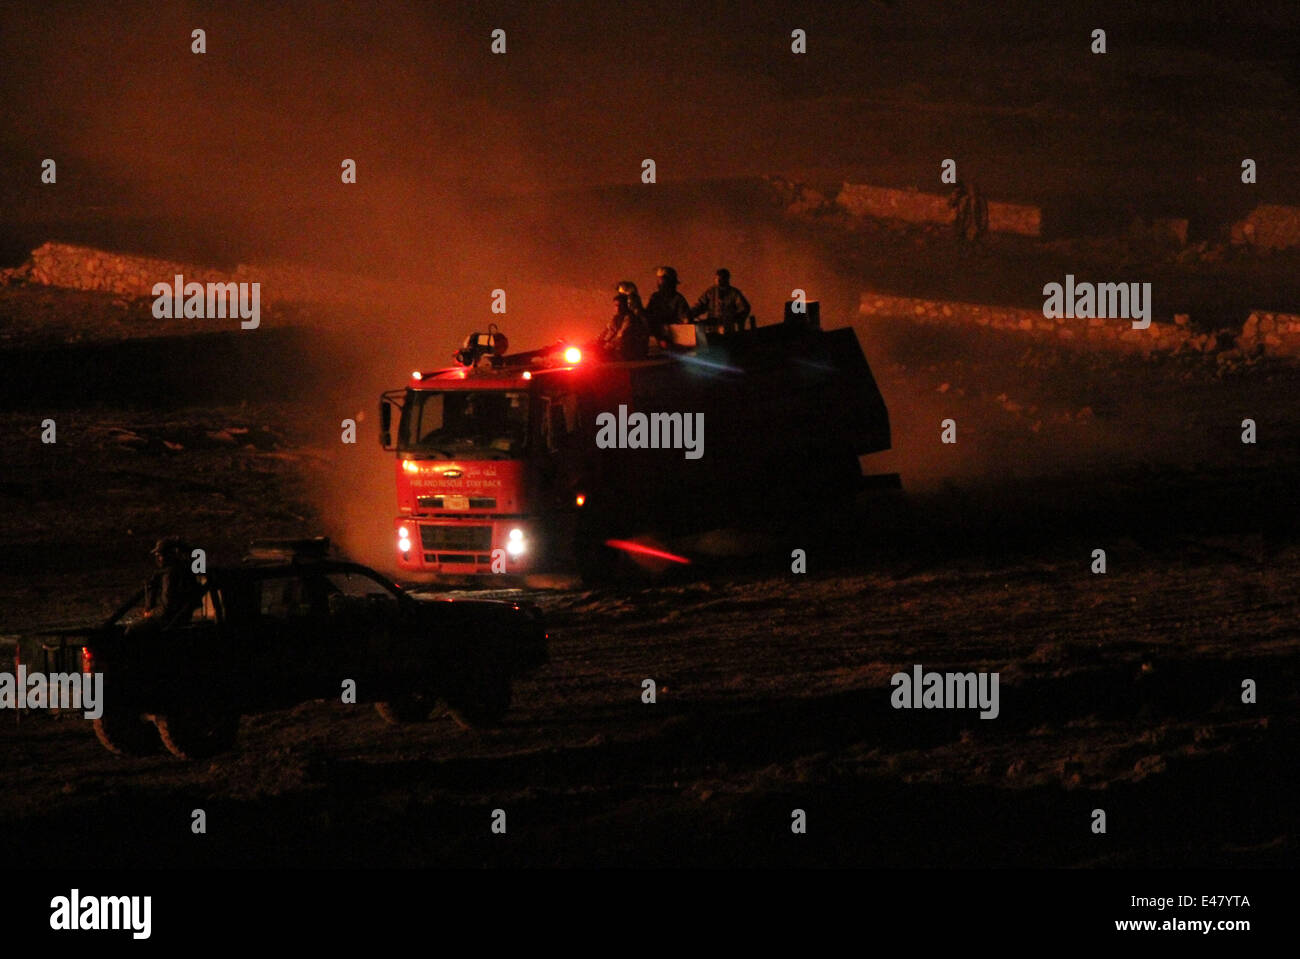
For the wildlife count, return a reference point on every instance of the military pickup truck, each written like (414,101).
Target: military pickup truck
(272,633)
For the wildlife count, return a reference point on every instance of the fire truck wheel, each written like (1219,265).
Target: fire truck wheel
(198,735)
(604,566)
(842,473)
(411,708)
(596,564)
(481,701)
(121,730)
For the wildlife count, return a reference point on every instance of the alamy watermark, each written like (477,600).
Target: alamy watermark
(921,690)
(212,301)
(76,912)
(84,691)
(1123,301)
(651,431)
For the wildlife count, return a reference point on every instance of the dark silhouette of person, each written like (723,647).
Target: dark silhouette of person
(173,592)
(971,216)
(626,335)
(726,307)
(666,306)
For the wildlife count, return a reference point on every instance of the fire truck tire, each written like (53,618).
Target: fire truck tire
(121,730)
(837,476)
(591,556)
(601,565)
(198,735)
(411,708)
(596,564)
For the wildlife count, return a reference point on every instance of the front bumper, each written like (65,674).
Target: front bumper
(464,547)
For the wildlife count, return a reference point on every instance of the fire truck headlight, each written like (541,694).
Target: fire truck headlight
(515,547)
(573,355)
(403,540)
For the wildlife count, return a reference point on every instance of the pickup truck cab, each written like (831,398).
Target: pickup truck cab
(271,634)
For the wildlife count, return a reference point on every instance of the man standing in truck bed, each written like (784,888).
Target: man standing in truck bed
(666,306)
(627,335)
(726,306)
(173,592)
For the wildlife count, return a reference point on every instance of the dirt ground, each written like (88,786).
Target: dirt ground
(773,695)
(1119,691)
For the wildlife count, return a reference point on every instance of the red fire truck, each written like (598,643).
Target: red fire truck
(561,457)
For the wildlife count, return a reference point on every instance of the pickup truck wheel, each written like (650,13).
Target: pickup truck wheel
(121,730)
(480,700)
(411,708)
(195,735)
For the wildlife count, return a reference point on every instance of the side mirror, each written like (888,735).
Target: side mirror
(386,424)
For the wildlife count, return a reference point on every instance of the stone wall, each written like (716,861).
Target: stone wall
(887,204)
(914,206)
(86,268)
(1108,334)
(1275,332)
(1269,227)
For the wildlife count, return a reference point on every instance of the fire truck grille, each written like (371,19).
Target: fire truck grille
(475,502)
(467,539)
(459,558)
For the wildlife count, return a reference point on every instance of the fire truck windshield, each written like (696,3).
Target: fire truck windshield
(464,424)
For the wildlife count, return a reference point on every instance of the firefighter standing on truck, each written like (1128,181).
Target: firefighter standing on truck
(726,307)
(173,592)
(666,305)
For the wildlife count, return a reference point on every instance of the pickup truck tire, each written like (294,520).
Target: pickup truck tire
(479,699)
(411,708)
(198,735)
(121,730)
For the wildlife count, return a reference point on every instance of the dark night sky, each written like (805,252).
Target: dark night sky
(240,148)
